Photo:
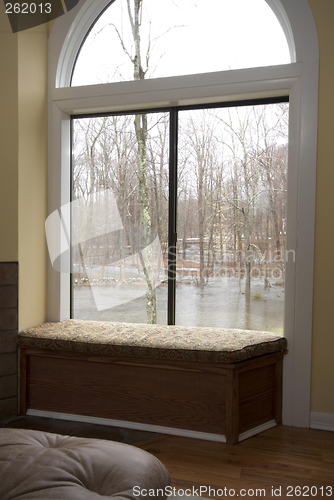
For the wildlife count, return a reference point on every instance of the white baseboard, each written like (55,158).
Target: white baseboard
(257,430)
(128,425)
(148,427)
(323,421)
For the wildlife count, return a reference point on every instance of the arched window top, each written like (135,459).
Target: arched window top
(179,38)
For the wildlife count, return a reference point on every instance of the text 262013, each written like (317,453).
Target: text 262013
(28,8)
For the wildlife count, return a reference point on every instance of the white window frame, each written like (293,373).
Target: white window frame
(299,80)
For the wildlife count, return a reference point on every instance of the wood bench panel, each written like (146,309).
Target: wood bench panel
(213,381)
(169,396)
(256,397)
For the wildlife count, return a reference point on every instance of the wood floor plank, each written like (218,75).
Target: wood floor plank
(279,458)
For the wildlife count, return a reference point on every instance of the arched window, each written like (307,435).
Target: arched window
(237,233)
(179,38)
(293,78)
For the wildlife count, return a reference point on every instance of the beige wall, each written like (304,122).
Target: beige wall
(23,163)
(32,94)
(323,326)
(8,141)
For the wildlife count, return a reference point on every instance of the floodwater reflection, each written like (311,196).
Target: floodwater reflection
(219,304)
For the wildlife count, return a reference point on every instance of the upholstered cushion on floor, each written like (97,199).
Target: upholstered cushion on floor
(213,345)
(37,465)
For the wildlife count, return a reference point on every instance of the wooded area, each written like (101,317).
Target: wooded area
(231,193)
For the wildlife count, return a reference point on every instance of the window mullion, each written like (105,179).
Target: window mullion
(172,235)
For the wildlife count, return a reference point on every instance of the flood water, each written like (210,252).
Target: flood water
(219,304)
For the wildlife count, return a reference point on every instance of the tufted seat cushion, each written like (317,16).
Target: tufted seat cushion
(37,465)
(210,345)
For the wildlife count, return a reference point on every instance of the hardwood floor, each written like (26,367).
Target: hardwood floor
(276,459)
(279,461)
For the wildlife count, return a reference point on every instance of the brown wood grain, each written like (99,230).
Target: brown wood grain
(232,406)
(257,397)
(23,382)
(127,360)
(278,390)
(161,396)
(221,399)
(276,458)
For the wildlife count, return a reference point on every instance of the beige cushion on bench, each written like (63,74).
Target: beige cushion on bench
(213,345)
(37,465)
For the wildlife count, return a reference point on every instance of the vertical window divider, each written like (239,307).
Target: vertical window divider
(71,218)
(172,210)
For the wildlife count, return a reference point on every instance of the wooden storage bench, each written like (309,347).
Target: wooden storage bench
(210,383)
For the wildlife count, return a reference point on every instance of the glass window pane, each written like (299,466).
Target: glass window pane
(232,217)
(120,218)
(179,38)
